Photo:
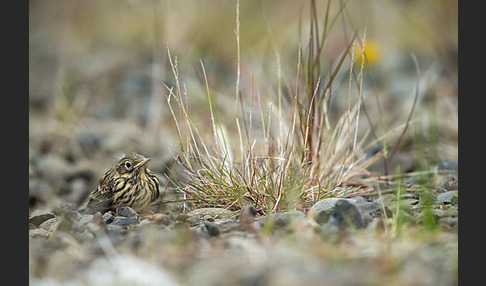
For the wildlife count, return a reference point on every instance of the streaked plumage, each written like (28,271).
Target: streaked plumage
(128,183)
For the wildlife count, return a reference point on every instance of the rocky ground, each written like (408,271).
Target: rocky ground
(379,239)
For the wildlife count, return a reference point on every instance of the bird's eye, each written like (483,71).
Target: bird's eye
(128,165)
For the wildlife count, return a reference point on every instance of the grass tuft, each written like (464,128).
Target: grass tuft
(306,154)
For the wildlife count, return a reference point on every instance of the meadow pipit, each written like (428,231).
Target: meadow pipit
(128,183)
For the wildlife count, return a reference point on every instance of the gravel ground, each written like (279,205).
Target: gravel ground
(338,241)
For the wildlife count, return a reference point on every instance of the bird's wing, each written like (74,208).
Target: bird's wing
(100,199)
(95,205)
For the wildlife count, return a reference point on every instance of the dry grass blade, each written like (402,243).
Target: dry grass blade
(417,88)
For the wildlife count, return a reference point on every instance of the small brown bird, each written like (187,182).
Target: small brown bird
(128,183)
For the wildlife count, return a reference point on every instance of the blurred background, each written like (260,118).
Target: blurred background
(99,74)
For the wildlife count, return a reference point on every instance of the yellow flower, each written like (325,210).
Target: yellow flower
(372,51)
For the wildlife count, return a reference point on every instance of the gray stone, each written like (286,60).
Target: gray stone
(374,208)
(126,212)
(322,210)
(369,207)
(126,221)
(84,221)
(448,183)
(346,214)
(50,225)
(108,217)
(449,165)
(450,197)
(38,232)
(212,228)
(345,218)
(215,212)
(38,219)
(69,220)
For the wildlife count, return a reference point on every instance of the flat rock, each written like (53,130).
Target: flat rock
(215,212)
(38,232)
(50,225)
(450,197)
(125,221)
(38,219)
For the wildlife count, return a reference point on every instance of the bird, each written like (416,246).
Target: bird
(128,183)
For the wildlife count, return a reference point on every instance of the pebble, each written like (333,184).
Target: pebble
(344,220)
(50,225)
(212,228)
(450,197)
(346,214)
(322,210)
(108,217)
(214,212)
(370,208)
(126,212)
(126,221)
(161,219)
(449,165)
(69,220)
(38,232)
(40,218)
(448,183)
(84,221)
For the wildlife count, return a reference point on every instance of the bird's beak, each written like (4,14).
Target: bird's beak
(141,163)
